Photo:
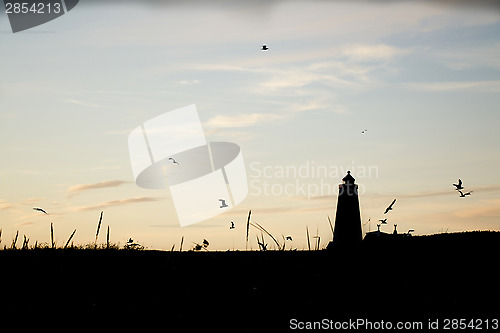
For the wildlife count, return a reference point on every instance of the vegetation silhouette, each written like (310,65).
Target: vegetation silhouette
(399,278)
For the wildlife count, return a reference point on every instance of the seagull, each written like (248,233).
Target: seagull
(459,185)
(384,221)
(462,195)
(232,225)
(173,161)
(390,206)
(40,210)
(264,48)
(289,238)
(363,132)
(223,203)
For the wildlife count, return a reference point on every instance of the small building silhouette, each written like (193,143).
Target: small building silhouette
(347,220)
(380,235)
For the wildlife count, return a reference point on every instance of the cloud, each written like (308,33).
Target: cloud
(75,189)
(24,223)
(5,205)
(481,86)
(364,53)
(242,120)
(121,202)
(188,82)
(81,103)
(31,201)
(489,209)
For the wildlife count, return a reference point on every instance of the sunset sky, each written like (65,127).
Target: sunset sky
(423,80)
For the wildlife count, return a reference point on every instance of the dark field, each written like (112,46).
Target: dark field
(416,278)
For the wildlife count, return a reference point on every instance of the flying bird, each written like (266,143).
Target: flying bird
(40,210)
(173,160)
(289,238)
(264,48)
(459,185)
(462,195)
(363,132)
(390,206)
(223,203)
(384,221)
(232,225)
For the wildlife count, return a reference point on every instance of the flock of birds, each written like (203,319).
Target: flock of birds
(389,208)
(459,187)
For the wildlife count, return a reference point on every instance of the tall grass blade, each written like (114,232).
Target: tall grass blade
(107,239)
(69,239)
(331,227)
(15,240)
(52,244)
(98,228)
(308,241)
(248,227)
(25,242)
(182,242)
(261,228)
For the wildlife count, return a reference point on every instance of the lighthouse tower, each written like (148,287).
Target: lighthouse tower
(347,221)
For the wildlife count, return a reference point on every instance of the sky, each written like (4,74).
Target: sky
(422,78)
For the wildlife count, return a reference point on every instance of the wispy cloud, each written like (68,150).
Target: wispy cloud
(5,205)
(484,86)
(31,201)
(121,202)
(369,53)
(82,103)
(242,120)
(188,82)
(489,209)
(75,189)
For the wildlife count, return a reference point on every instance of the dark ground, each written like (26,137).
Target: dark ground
(416,278)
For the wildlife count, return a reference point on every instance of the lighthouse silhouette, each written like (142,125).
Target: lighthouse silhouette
(347,221)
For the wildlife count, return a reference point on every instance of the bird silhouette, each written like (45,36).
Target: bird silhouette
(40,210)
(462,195)
(363,132)
(384,221)
(264,48)
(390,206)
(232,225)
(173,160)
(459,185)
(289,238)
(223,203)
